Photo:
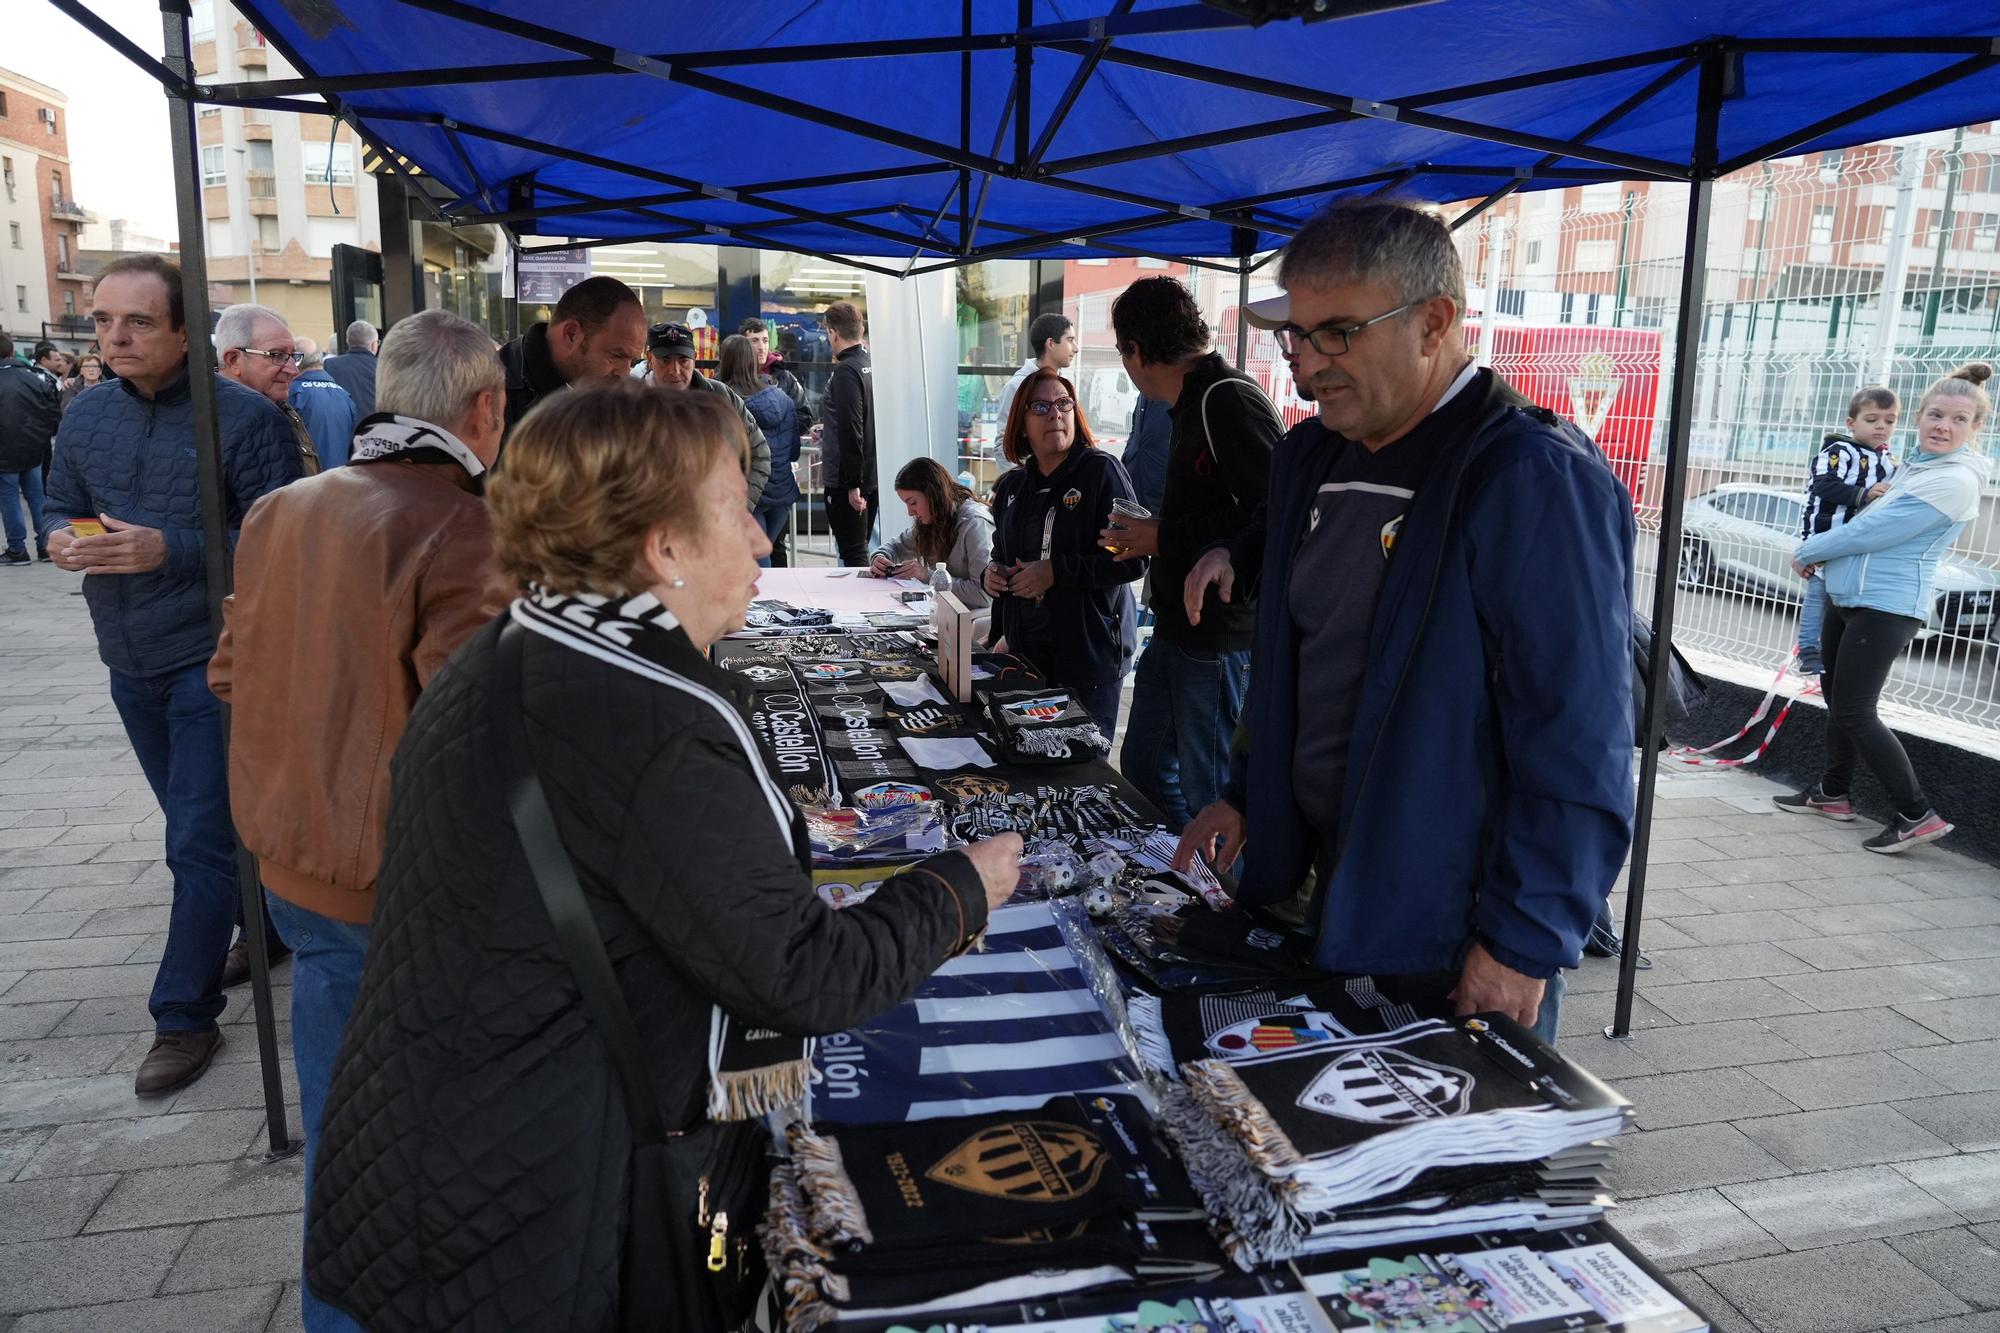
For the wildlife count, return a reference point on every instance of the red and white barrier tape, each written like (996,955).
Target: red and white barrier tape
(1698,757)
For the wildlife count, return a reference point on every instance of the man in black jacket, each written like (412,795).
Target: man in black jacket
(28,414)
(848,440)
(759,335)
(1188,690)
(597,336)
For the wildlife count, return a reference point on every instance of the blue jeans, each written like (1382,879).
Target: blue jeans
(326,973)
(774,519)
(1101,702)
(175,725)
(1185,702)
(1812,615)
(15,487)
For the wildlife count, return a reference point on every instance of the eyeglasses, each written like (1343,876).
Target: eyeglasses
(1333,339)
(275,357)
(1042,407)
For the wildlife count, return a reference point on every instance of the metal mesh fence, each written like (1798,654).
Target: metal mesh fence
(1577,292)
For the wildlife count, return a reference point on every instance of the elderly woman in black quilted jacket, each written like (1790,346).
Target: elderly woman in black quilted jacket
(473,1167)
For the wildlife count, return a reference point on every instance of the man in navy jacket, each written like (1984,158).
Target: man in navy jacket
(1440,728)
(125,461)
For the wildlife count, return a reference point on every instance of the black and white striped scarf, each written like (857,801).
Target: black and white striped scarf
(751,1071)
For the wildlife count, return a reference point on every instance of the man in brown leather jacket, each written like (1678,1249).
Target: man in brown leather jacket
(352,590)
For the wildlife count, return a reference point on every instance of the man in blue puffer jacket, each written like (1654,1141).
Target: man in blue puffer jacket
(125,460)
(1440,722)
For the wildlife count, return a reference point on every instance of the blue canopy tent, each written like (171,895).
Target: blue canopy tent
(906,136)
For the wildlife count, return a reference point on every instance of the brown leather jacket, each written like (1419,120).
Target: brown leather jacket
(352,588)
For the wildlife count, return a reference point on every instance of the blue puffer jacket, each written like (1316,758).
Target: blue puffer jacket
(132,457)
(1885,558)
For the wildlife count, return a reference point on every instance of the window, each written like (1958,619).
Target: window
(1590,310)
(21,298)
(55,186)
(201,23)
(267,234)
(1598,255)
(1822,225)
(7,176)
(1760,203)
(49,118)
(14,234)
(327,161)
(1985,231)
(207,111)
(62,253)
(69,304)
(3,102)
(1602,198)
(1534,254)
(212,172)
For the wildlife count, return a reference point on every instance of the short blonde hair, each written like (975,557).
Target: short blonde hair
(590,472)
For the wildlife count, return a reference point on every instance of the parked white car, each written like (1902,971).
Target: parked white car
(1741,537)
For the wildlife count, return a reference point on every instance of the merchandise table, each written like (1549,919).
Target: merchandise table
(1124,1032)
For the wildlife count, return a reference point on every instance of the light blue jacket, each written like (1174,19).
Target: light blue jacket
(1885,558)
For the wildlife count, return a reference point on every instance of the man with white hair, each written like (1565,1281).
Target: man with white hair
(355,586)
(328,409)
(254,347)
(354,369)
(1441,730)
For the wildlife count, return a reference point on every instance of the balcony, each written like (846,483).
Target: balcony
(68,209)
(250,51)
(257,128)
(262,187)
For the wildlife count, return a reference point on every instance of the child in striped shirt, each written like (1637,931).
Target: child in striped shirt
(1850,469)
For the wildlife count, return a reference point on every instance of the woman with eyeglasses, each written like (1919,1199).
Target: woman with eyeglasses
(1060,600)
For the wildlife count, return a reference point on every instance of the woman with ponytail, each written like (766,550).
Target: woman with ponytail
(1879,569)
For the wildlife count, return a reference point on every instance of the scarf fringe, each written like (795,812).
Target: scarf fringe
(798,1267)
(832,1203)
(1250,1219)
(752,1094)
(1234,1107)
(1149,1029)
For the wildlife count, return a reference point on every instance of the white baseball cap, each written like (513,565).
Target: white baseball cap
(1270,313)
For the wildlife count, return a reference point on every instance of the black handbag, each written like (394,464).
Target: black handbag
(693,1196)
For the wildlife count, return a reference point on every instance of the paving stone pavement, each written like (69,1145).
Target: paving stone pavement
(1815,1055)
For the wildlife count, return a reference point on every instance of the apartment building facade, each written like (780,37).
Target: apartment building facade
(43,291)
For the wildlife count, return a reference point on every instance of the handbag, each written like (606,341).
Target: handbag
(693,1196)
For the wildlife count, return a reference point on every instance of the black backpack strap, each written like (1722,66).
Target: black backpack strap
(555,878)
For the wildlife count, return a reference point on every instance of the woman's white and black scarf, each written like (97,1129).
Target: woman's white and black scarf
(751,1071)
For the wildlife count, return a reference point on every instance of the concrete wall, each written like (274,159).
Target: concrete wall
(1965,787)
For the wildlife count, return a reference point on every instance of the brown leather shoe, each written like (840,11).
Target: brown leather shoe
(236,963)
(176,1060)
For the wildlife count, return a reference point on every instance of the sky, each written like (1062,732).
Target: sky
(121,159)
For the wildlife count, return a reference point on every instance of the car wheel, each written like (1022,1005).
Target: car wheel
(1697,564)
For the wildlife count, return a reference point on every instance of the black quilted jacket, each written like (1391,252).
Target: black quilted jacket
(471,1166)
(28,414)
(132,457)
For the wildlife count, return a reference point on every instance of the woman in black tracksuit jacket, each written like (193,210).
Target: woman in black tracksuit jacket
(1059,598)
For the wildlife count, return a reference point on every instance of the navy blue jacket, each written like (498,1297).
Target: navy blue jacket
(778,417)
(329,414)
(1489,792)
(132,457)
(355,372)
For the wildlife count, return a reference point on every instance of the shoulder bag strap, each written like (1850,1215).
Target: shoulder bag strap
(555,877)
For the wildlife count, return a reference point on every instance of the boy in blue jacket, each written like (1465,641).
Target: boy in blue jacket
(1848,471)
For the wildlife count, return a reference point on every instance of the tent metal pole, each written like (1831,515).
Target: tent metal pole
(1625,108)
(965,134)
(123,45)
(1024,70)
(1784,143)
(1084,70)
(174,24)
(1242,311)
(1673,497)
